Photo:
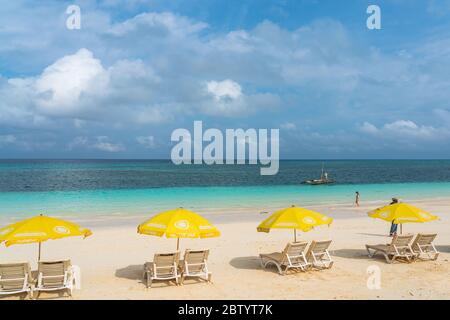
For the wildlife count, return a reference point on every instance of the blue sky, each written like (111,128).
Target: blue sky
(136,70)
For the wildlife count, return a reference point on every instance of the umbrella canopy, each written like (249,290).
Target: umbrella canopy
(178,223)
(294,218)
(39,229)
(400,213)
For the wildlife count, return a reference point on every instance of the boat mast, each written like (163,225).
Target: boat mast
(321,176)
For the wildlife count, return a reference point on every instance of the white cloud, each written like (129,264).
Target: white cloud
(7,139)
(409,128)
(238,41)
(368,128)
(103,144)
(229,100)
(24,142)
(60,86)
(162,85)
(79,88)
(223,90)
(159,23)
(147,141)
(402,125)
(288,126)
(159,68)
(406,129)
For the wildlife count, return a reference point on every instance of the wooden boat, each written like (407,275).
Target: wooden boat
(323,179)
(316,182)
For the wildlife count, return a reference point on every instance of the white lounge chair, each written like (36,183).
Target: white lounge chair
(55,276)
(292,257)
(195,265)
(15,278)
(399,249)
(318,255)
(164,267)
(423,245)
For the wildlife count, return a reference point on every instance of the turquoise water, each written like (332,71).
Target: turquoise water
(121,187)
(126,201)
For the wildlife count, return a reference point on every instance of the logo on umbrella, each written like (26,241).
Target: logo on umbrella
(2,233)
(182,224)
(309,220)
(384,214)
(61,230)
(424,215)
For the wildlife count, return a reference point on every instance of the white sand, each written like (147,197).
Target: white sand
(111,260)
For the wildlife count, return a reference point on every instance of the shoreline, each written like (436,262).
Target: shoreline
(233,213)
(132,206)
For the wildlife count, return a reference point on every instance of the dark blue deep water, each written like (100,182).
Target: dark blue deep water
(75,175)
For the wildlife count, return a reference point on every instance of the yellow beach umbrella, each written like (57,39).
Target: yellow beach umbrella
(294,218)
(39,229)
(400,213)
(178,223)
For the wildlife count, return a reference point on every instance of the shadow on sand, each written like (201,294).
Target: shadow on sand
(445,249)
(350,254)
(132,272)
(246,263)
(375,235)
(51,295)
(48,295)
(17,296)
(135,272)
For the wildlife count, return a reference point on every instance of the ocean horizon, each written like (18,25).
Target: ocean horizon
(122,187)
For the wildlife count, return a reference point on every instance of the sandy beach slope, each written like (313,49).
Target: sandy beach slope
(111,260)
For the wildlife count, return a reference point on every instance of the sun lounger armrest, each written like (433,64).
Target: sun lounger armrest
(53,277)
(196,264)
(15,279)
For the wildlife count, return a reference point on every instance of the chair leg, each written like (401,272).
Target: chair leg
(390,261)
(280,269)
(261,260)
(148,280)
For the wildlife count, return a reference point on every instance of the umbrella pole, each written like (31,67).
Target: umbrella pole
(178,244)
(39,256)
(401,228)
(295,235)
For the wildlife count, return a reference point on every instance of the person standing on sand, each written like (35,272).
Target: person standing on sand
(394,226)
(357,199)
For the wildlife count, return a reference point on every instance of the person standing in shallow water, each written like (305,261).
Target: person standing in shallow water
(394,226)
(357,198)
